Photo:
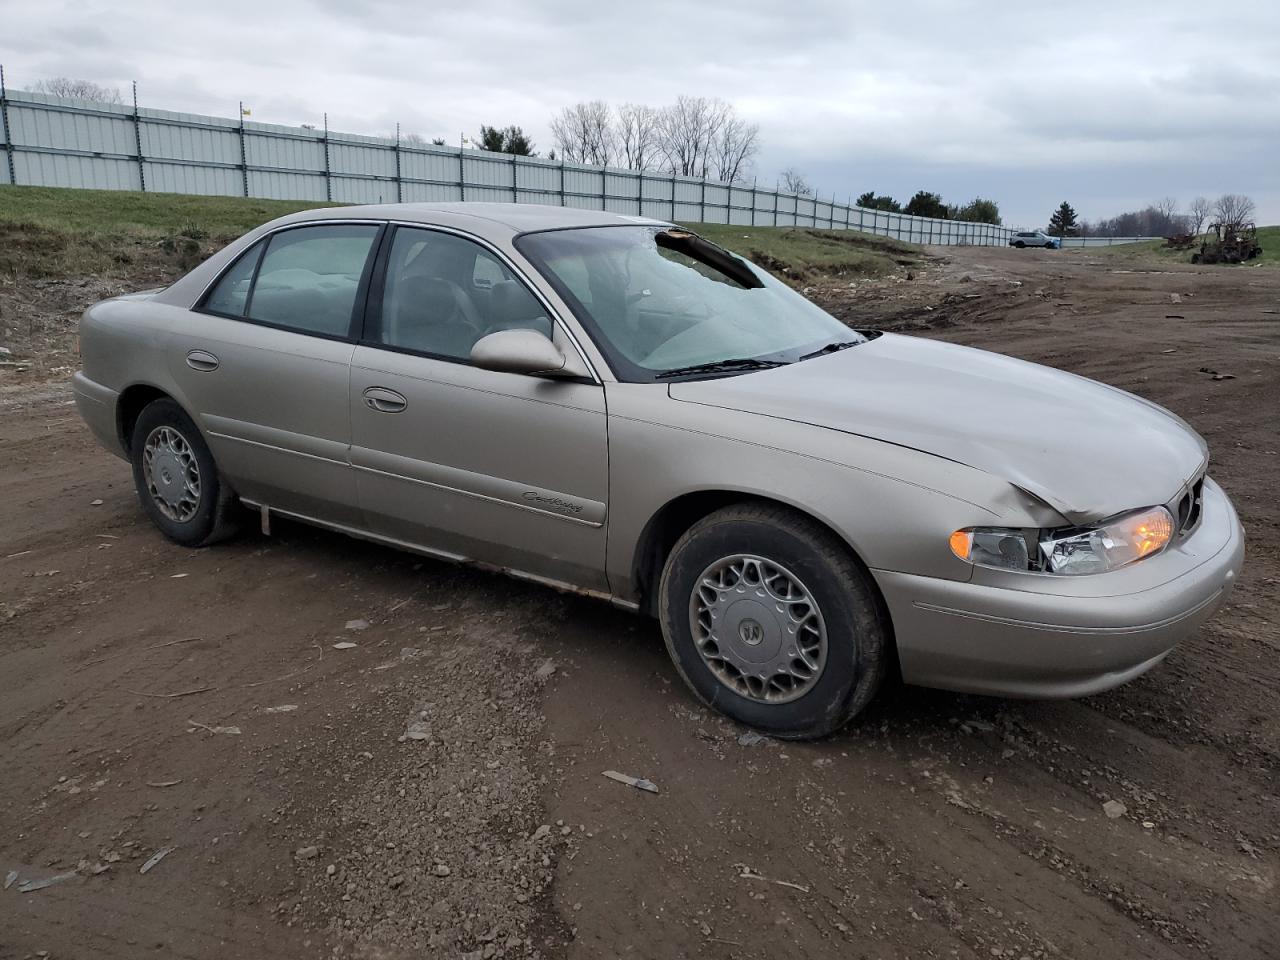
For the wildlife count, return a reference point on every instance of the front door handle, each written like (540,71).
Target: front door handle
(202,360)
(384,400)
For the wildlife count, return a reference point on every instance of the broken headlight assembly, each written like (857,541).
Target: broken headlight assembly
(1072,551)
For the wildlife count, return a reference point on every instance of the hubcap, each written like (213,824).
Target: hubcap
(758,628)
(172,474)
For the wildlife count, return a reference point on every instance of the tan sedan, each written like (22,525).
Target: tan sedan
(613,405)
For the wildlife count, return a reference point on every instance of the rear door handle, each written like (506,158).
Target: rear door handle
(202,360)
(384,400)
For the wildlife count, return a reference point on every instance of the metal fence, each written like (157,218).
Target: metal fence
(52,141)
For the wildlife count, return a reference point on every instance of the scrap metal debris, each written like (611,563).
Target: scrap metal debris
(31,885)
(746,873)
(345,645)
(163,783)
(156,858)
(637,782)
(234,731)
(8,880)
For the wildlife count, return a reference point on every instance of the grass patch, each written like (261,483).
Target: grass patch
(151,214)
(803,254)
(59,232)
(1268,238)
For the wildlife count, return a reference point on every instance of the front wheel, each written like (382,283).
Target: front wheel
(1020,245)
(769,619)
(176,478)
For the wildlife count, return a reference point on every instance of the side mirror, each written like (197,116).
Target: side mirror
(518,351)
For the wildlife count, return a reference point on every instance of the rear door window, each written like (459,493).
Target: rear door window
(309,278)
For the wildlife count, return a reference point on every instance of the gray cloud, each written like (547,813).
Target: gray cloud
(1106,105)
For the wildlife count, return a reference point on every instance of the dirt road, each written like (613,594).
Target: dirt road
(436,789)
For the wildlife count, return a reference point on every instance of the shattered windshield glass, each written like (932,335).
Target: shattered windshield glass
(665,301)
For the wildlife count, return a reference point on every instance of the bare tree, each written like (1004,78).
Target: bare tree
(584,133)
(80,89)
(734,147)
(1167,209)
(1233,210)
(689,129)
(1197,214)
(637,136)
(793,181)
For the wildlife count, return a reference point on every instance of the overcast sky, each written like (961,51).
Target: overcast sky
(1106,105)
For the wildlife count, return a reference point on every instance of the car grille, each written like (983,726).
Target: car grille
(1187,510)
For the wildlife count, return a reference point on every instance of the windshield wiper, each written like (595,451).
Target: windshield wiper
(732,365)
(830,348)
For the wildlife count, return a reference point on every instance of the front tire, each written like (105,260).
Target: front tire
(176,478)
(769,619)
(1020,245)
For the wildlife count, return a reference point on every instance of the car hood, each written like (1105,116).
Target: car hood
(1088,450)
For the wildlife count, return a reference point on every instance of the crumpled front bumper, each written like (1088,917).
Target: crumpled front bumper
(1065,636)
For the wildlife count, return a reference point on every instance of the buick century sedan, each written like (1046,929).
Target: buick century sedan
(616,406)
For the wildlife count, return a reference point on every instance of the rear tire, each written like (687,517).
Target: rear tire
(769,619)
(177,480)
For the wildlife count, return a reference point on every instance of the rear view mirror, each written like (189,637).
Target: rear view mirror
(518,351)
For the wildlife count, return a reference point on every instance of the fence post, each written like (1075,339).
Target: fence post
(673,196)
(4,122)
(462,170)
(328,179)
(562,203)
(753,201)
(244,157)
(702,201)
(515,193)
(399,183)
(775,204)
(137,140)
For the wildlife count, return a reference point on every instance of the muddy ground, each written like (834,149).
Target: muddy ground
(435,790)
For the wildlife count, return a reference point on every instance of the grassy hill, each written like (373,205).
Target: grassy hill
(52,232)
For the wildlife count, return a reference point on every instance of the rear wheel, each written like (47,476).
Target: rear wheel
(769,619)
(177,479)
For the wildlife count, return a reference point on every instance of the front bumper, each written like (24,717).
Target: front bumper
(1065,636)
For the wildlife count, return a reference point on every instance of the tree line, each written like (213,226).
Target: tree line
(692,137)
(1159,219)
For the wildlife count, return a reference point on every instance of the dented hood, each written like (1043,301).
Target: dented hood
(1088,450)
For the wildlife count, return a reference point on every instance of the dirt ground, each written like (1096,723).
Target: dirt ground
(435,790)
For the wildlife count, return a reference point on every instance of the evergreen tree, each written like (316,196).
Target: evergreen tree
(926,204)
(505,140)
(1063,222)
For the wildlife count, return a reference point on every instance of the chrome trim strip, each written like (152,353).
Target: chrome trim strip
(1064,628)
(272,446)
(477,496)
(361,534)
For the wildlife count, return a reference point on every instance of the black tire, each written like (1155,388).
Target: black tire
(858,635)
(1020,245)
(215,512)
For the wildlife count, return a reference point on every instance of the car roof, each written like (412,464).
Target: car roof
(479,217)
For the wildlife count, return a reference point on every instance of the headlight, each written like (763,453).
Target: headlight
(1112,545)
(1107,546)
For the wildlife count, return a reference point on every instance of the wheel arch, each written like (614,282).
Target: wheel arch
(677,515)
(132,401)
